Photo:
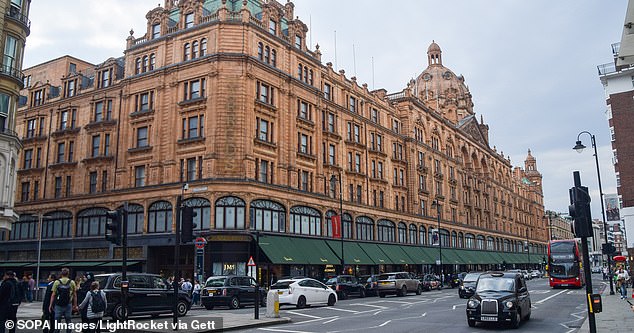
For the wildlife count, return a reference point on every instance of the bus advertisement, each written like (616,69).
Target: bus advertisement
(565,263)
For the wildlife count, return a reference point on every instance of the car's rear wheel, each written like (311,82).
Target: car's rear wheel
(118,312)
(181,308)
(343,295)
(234,303)
(301,302)
(209,307)
(403,291)
(419,290)
(332,300)
(471,322)
(517,319)
(382,295)
(263,301)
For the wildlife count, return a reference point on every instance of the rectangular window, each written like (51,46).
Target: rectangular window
(328,91)
(36,190)
(92,188)
(26,188)
(141,137)
(61,152)
(380,166)
(95,146)
(38,158)
(139,176)
(401,177)
(374,115)
(351,192)
(28,158)
(304,181)
(357,133)
(191,169)
(379,142)
(30,128)
(331,154)
(144,102)
(263,171)
(104,78)
(156,31)
(58,187)
(70,88)
(63,120)
(273,27)
(357,163)
(194,89)
(189,20)
(265,93)
(331,123)
(106,145)
(352,106)
(263,130)
(373,169)
(303,143)
(303,110)
(68,186)
(104,181)
(298,41)
(381,199)
(98,111)
(359,193)
(350,161)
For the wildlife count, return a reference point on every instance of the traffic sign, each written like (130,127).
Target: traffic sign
(251,262)
(200,242)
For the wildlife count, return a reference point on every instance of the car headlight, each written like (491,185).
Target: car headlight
(461,287)
(473,303)
(509,304)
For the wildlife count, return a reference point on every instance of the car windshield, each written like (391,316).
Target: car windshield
(471,277)
(331,281)
(495,284)
(281,285)
(387,277)
(216,282)
(102,279)
(564,270)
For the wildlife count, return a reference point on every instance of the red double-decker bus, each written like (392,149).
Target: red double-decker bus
(565,263)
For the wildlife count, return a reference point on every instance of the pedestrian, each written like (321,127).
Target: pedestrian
(9,296)
(24,286)
(46,314)
(187,287)
(622,279)
(82,291)
(63,298)
(196,293)
(94,304)
(31,288)
(605,273)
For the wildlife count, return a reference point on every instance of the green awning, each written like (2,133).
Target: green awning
(450,256)
(373,251)
(488,257)
(59,264)
(419,254)
(83,263)
(13,264)
(396,254)
(280,250)
(498,257)
(353,253)
(117,264)
(316,251)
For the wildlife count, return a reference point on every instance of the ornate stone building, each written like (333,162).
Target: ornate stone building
(227,97)
(15,27)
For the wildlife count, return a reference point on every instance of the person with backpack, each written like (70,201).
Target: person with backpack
(63,298)
(9,295)
(83,290)
(46,314)
(95,304)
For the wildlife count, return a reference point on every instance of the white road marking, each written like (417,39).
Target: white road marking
(454,307)
(314,320)
(398,302)
(376,313)
(303,314)
(549,297)
(424,314)
(344,310)
(372,305)
(330,321)
(385,323)
(281,330)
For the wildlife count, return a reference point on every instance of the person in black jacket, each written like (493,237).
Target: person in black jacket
(10,298)
(87,280)
(46,314)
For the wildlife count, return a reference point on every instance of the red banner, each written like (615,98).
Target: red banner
(336,226)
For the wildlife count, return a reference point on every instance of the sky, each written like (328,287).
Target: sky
(531,66)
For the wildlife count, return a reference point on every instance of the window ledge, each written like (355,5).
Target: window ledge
(186,141)
(192,101)
(141,113)
(140,149)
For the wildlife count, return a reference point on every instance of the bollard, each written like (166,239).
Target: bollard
(272,304)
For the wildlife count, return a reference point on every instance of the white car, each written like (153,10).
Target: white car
(302,292)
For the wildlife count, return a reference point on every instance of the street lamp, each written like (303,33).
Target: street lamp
(579,148)
(333,181)
(436,204)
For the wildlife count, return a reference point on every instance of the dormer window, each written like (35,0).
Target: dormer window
(70,87)
(273,27)
(104,78)
(156,31)
(189,20)
(298,41)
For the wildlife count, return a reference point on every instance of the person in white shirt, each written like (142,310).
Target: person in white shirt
(622,279)
(187,287)
(196,293)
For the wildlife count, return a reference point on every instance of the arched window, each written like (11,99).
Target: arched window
(160,217)
(444,237)
(202,208)
(203,47)
(412,234)
(305,221)
(267,54)
(480,242)
(469,241)
(385,231)
(460,240)
(25,228)
(146,64)
(454,239)
(267,215)
(507,246)
(57,224)
(365,228)
(186,52)
(490,243)
(402,233)
(422,235)
(137,66)
(91,222)
(328,222)
(261,51)
(273,58)
(230,213)
(152,61)
(195,49)
(346,224)
(136,218)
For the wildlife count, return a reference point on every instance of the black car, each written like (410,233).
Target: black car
(230,290)
(499,298)
(346,285)
(147,294)
(429,282)
(468,285)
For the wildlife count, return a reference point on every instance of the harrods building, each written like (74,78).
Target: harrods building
(227,97)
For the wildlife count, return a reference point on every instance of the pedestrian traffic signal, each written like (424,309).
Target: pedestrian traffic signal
(114,226)
(187,224)
(608,248)
(580,211)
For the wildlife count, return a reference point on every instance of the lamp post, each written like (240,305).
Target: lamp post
(40,218)
(528,249)
(579,148)
(333,181)
(439,261)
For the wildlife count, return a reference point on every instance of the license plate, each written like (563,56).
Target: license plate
(384,283)
(488,318)
(280,293)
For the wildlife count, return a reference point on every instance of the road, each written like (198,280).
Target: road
(558,310)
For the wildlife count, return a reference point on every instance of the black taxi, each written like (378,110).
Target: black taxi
(500,297)
(230,290)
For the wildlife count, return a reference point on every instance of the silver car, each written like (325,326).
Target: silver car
(398,283)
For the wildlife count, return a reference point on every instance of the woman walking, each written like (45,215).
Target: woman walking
(96,303)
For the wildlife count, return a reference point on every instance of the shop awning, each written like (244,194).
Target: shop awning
(352,252)
(450,256)
(419,254)
(59,264)
(281,250)
(117,263)
(375,253)
(468,257)
(316,251)
(498,257)
(396,254)
(13,264)
(83,263)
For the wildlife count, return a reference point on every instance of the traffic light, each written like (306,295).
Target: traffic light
(187,224)
(580,211)
(608,248)
(114,226)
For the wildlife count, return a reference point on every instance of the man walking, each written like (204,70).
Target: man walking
(10,298)
(46,314)
(63,299)
(32,289)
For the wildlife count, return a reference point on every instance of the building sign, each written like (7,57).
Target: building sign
(229,238)
(612,207)
(336,226)
(329,269)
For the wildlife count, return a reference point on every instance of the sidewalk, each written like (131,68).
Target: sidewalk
(231,321)
(617,315)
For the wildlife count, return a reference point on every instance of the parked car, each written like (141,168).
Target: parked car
(346,285)
(399,283)
(430,282)
(535,274)
(596,269)
(303,292)
(371,284)
(526,275)
(468,285)
(148,294)
(501,298)
(232,291)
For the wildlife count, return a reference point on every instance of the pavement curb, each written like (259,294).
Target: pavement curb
(282,320)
